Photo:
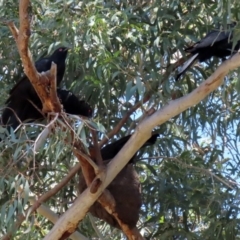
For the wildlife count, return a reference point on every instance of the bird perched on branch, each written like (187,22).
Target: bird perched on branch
(111,150)
(217,43)
(125,188)
(30,109)
(24,104)
(24,89)
(23,92)
(72,105)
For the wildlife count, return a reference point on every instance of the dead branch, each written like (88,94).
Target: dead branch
(78,154)
(96,147)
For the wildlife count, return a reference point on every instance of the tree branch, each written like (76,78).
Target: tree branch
(96,147)
(106,200)
(37,203)
(142,133)
(53,217)
(43,83)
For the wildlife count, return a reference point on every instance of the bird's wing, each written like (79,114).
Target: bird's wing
(19,86)
(111,150)
(213,38)
(43,65)
(186,66)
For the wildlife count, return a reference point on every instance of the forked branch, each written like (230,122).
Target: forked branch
(43,83)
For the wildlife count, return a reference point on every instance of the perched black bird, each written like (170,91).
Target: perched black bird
(24,88)
(111,150)
(125,188)
(30,111)
(72,105)
(216,43)
(23,94)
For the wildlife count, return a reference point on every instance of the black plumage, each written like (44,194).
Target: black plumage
(24,104)
(30,111)
(109,151)
(216,43)
(23,94)
(24,89)
(125,188)
(72,105)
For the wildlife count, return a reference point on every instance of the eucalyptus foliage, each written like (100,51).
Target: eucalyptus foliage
(122,52)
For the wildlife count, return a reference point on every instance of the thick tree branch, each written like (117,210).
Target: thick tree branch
(43,83)
(107,201)
(94,175)
(142,133)
(53,217)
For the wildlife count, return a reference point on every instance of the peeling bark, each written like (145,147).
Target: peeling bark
(43,83)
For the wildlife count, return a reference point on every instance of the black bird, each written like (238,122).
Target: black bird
(110,151)
(125,188)
(30,111)
(72,105)
(24,89)
(216,43)
(23,94)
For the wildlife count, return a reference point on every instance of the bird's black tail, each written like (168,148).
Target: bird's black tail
(151,140)
(73,105)
(111,150)
(187,65)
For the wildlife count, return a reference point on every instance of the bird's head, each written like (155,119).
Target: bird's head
(60,52)
(62,49)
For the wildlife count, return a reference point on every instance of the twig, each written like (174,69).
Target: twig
(93,223)
(43,198)
(42,136)
(122,121)
(206,171)
(80,154)
(96,148)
